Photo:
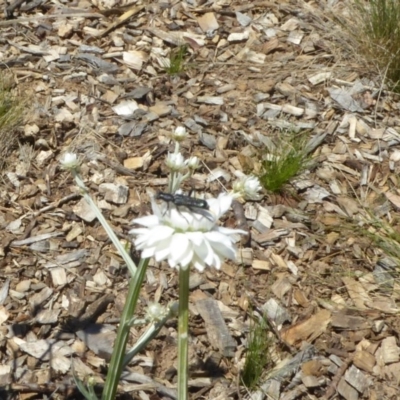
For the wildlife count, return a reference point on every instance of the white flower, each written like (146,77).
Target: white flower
(69,161)
(193,163)
(175,162)
(183,237)
(247,186)
(180,134)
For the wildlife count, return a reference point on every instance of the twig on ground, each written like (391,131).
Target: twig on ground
(335,381)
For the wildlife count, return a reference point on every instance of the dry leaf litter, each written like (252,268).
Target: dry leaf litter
(95,76)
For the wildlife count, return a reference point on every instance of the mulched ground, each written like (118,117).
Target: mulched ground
(95,79)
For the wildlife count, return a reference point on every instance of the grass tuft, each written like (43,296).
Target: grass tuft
(378,35)
(177,60)
(11,115)
(285,158)
(384,235)
(258,354)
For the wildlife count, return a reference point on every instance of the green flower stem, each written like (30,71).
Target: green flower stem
(129,262)
(183,334)
(117,359)
(171,182)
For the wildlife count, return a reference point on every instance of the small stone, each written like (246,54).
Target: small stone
(113,193)
(83,210)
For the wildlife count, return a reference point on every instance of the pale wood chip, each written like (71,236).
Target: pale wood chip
(393,198)
(357,379)
(276,313)
(347,391)
(238,36)
(295,37)
(319,77)
(307,330)
(261,264)
(356,292)
(98,338)
(115,193)
(217,331)
(38,298)
(390,350)
(364,360)
(270,236)
(83,210)
(350,322)
(208,22)
(4,291)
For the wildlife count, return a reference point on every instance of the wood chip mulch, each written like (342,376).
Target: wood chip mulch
(94,73)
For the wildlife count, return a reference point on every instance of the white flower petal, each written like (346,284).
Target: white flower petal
(162,253)
(198,263)
(148,252)
(202,248)
(187,258)
(195,237)
(143,238)
(180,245)
(159,233)
(179,220)
(220,205)
(138,231)
(163,249)
(217,264)
(157,210)
(221,245)
(231,232)
(148,220)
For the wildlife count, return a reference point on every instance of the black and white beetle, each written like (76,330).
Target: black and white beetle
(198,206)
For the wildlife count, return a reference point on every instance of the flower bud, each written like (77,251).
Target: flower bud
(193,163)
(155,312)
(69,161)
(180,134)
(175,162)
(247,187)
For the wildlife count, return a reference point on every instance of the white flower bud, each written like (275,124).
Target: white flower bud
(247,187)
(180,134)
(155,312)
(193,163)
(175,162)
(69,161)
